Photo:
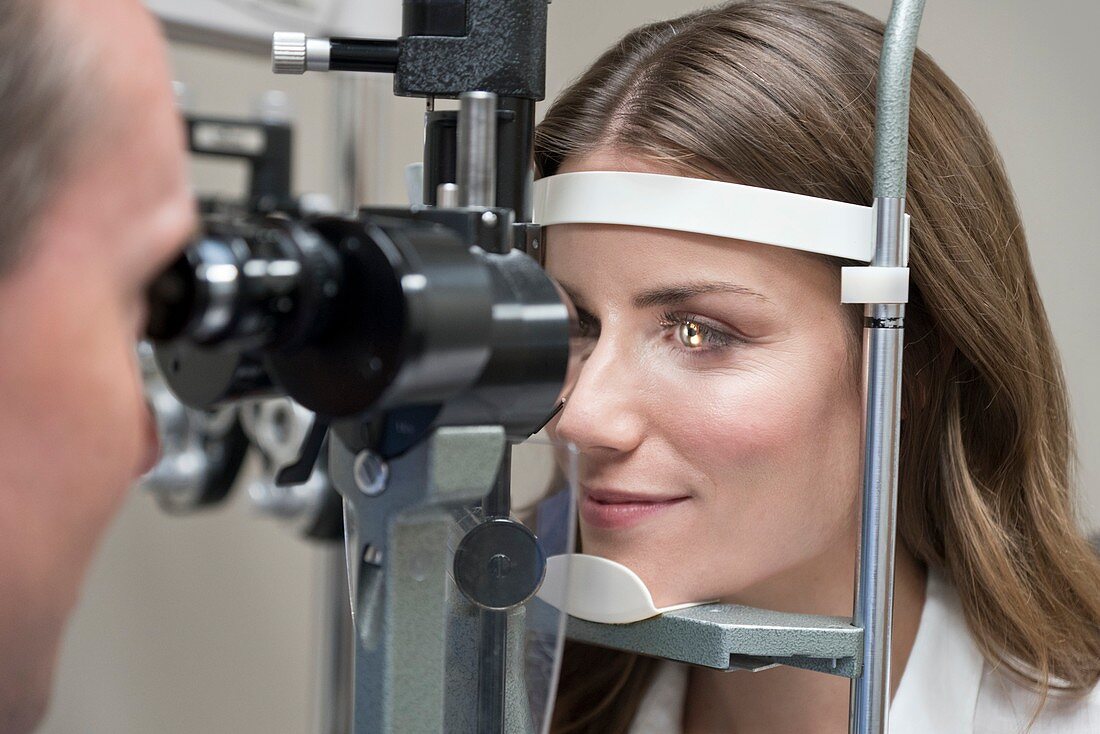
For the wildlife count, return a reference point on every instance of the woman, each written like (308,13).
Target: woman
(717,407)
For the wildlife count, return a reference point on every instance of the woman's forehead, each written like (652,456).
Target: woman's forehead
(612,258)
(613,159)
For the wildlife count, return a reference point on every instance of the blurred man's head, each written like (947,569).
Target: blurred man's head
(95,201)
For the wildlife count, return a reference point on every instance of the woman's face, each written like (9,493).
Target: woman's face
(717,409)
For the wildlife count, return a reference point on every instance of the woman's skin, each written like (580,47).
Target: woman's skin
(717,411)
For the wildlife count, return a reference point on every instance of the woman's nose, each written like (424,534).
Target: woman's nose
(602,401)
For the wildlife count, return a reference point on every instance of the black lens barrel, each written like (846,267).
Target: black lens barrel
(250,283)
(360,316)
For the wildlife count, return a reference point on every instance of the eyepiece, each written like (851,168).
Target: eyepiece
(171,299)
(197,295)
(244,282)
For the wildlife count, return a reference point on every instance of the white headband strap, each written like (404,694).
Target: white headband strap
(707,207)
(779,218)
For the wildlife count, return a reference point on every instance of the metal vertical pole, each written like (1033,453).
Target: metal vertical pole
(476,171)
(884,332)
(477,149)
(337,668)
(883,336)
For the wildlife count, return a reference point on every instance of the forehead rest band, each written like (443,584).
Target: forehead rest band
(734,211)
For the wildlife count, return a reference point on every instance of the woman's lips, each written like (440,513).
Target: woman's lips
(615,510)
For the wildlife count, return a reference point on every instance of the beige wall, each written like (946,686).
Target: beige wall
(205,624)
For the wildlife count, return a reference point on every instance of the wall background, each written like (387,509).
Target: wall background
(207,623)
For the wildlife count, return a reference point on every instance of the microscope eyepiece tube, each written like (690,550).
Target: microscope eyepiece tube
(248,283)
(354,316)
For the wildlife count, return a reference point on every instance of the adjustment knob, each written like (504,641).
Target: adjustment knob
(288,53)
(294,53)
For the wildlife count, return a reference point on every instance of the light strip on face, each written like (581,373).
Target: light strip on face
(722,209)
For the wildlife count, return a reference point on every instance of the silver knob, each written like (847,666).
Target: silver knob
(294,53)
(288,53)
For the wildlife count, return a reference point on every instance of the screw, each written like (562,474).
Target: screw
(499,566)
(370,474)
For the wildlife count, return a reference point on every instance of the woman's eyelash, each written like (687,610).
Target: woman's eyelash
(705,335)
(693,329)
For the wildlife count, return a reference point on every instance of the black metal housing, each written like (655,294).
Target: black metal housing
(503,49)
(515,140)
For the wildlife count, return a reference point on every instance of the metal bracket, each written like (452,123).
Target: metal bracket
(728,637)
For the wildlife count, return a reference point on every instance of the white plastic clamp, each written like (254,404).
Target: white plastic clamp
(869,284)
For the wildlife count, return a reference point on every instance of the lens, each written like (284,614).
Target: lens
(171,301)
(242,281)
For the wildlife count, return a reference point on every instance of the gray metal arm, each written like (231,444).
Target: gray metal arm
(728,637)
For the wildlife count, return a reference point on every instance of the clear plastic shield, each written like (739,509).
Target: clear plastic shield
(499,563)
(544,477)
(452,635)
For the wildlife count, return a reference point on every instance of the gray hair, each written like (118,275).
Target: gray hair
(44,104)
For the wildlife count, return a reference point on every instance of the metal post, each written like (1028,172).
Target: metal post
(477,149)
(883,341)
(476,170)
(336,699)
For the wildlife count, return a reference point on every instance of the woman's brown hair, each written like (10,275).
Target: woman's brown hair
(781,94)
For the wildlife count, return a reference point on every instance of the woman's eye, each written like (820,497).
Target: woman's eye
(691,334)
(587,327)
(694,335)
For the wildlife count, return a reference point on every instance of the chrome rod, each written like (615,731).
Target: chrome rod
(477,149)
(884,334)
(875,571)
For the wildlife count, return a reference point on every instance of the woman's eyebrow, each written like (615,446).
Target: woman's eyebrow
(673,294)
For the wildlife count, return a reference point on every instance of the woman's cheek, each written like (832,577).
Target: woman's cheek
(744,426)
